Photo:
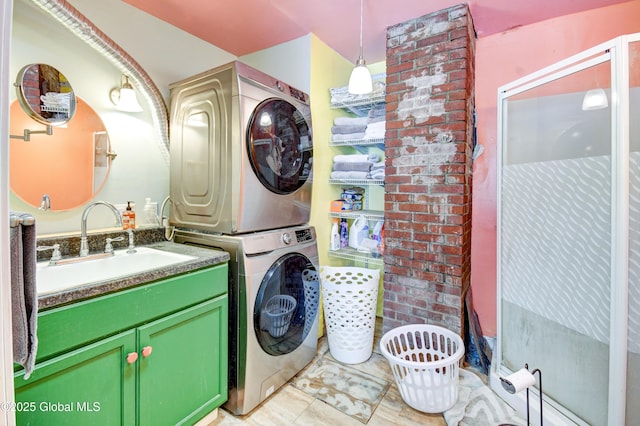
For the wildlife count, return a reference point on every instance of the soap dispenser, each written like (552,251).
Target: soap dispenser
(129,217)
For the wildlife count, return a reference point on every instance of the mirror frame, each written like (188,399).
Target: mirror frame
(82,27)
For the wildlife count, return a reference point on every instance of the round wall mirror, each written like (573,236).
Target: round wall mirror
(69,166)
(45,94)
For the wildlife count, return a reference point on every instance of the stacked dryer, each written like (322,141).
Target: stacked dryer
(241,158)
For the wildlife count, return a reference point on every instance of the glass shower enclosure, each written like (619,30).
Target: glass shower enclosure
(569,235)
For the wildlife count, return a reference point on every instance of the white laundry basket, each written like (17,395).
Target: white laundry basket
(279,310)
(349,298)
(311,287)
(425,363)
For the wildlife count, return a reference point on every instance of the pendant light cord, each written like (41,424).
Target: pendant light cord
(361,20)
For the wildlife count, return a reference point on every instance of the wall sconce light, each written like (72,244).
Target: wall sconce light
(124,97)
(360,81)
(594,99)
(523,379)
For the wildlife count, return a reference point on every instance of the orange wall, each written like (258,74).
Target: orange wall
(503,58)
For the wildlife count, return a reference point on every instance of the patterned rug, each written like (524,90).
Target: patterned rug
(478,405)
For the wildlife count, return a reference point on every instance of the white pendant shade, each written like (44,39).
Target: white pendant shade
(360,81)
(594,99)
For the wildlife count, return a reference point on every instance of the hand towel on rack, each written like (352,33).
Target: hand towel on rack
(24,297)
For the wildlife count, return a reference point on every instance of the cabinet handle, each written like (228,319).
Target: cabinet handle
(146,351)
(132,357)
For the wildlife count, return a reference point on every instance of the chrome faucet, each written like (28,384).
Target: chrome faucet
(164,220)
(84,245)
(162,216)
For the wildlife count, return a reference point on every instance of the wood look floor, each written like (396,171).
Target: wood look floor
(329,392)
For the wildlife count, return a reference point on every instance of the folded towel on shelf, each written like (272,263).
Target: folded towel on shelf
(356,158)
(351,128)
(24,296)
(349,175)
(347,137)
(352,166)
(376,174)
(377,166)
(375,130)
(350,121)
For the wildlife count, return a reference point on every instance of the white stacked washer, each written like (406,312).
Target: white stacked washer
(241,156)
(241,152)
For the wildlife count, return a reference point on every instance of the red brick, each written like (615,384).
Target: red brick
(427,206)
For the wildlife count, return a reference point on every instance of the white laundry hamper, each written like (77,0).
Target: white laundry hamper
(349,298)
(425,363)
(311,287)
(279,310)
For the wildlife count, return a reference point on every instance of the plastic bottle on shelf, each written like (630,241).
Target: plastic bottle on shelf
(344,233)
(335,236)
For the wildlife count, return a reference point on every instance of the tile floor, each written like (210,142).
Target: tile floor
(329,392)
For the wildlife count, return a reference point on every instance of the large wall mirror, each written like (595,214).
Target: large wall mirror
(69,166)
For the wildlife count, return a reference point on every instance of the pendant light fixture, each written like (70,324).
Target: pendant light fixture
(124,97)
(360,81)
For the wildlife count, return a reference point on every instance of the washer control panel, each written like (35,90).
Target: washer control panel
(265,241)
(303,235)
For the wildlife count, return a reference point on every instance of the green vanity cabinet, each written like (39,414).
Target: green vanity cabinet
(151,355)
(173,384)
(93,385)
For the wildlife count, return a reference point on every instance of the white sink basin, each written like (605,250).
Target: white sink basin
(56,278)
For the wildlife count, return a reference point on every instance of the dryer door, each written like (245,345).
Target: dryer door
(279,146)
(286,304)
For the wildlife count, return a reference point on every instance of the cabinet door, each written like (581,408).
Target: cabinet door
(93,385)
(184,377)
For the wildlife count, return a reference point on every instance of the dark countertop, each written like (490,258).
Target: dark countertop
(204,258)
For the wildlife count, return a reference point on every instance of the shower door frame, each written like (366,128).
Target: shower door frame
(616,52)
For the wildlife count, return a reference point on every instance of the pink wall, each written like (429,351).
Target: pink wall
(500,59)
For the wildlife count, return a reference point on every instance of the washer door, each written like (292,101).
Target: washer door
(286,304)
(279,146)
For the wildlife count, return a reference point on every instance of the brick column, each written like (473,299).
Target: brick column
(429,141)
